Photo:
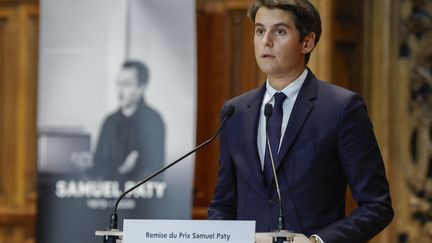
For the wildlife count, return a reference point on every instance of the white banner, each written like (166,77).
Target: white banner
(117,101)
(189,231)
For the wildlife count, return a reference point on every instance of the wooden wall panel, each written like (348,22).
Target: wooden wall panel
(8,78)
(29,100)
(226,68)
(322,54)
(243,70)
(212,92)
(380,87)
(19,27)
(3,32)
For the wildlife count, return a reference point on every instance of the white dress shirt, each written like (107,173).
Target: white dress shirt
(291,92)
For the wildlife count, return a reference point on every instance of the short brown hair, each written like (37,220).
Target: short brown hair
(306,16)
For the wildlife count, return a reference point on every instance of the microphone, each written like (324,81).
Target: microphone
(229,111)
(268,110)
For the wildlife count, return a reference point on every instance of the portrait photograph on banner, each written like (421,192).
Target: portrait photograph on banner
(116,103)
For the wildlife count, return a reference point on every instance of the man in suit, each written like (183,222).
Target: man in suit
(321,141)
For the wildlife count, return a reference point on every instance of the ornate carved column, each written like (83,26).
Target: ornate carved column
(415,169)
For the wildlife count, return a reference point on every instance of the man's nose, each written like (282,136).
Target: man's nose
(267,39)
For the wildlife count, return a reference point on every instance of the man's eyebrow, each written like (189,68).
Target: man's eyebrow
(275,25)
(281,24)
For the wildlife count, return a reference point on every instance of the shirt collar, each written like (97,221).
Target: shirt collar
(291,91)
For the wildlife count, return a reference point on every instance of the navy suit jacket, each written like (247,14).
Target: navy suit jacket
(329,143)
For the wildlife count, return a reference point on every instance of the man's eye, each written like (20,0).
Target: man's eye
(280,31)
(259,31)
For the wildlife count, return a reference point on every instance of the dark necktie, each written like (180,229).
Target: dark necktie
(274,134)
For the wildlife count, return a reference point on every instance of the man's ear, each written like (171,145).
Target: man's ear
(309,42)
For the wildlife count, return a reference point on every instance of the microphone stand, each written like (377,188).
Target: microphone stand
(281,220)
(114,217)
(268,109)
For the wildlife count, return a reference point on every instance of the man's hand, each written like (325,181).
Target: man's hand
(129,163)
(315,239)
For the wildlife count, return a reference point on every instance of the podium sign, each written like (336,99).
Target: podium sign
(188,231)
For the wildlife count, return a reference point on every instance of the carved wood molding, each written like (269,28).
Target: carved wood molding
(18,217)
(223,5)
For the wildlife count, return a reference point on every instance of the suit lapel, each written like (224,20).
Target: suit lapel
(302,108)
(250,129)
